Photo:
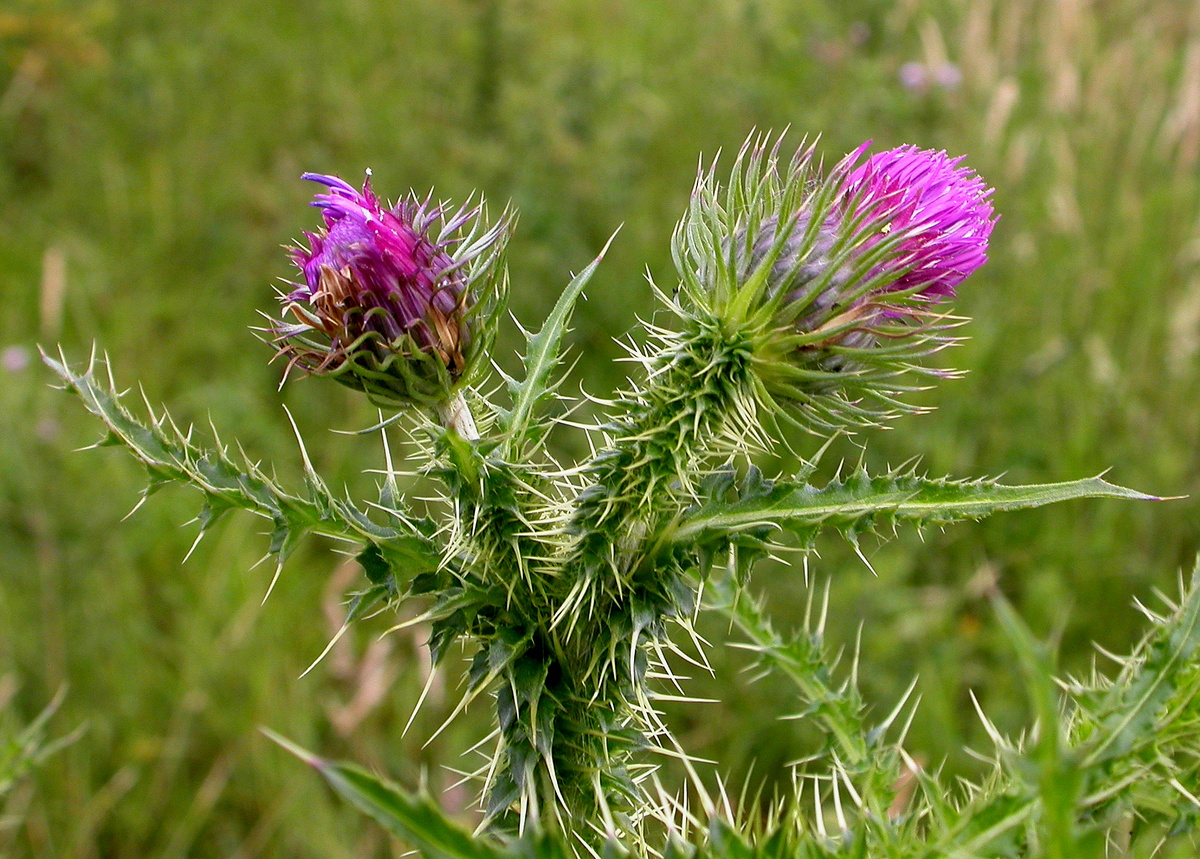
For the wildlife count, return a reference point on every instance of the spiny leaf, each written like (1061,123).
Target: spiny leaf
(373,564)
(170,455)
(856,504)
(803,659)
(1129,715)
(1122,751)
(1058,775)
(413,817)
(989,828)
(540,360)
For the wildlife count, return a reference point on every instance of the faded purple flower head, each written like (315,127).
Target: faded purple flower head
(372,271)
(14,359)
(392,296)
(919,78)
(941,208)
(948,76)
(914,77)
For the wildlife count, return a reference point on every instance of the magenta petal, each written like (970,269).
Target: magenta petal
(944,208)
(388,262)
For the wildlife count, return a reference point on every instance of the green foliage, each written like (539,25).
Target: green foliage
(744,252)
(416,818)
(1108,768)
(863,504)
(22,749)
(541,360)
(196,124)
(404,543)
(566,585)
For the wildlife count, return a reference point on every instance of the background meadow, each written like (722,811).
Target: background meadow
(149,162)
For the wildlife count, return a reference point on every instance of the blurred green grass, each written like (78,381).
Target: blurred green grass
(149,160)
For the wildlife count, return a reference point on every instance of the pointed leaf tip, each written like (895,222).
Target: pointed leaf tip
(862,502)
(303,754)
(542,356)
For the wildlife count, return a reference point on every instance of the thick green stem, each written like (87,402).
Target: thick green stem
(611,594)
(455,414)
(586,610)
(644,477)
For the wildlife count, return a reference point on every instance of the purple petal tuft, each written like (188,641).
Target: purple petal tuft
(373,271)
(943,209)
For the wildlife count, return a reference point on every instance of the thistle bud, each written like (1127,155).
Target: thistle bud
(836,279)
(399,303)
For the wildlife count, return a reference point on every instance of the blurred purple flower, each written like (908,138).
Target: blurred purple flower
(948,76)
(14,359)
(918,77)
(914,77)
(939,211)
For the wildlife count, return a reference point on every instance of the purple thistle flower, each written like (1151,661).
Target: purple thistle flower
(372,271)
(941,208)
(395,300)
(835,279)
(892,234)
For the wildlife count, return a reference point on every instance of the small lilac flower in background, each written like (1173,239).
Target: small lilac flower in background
(397,302)
(914,77)
(14,359)
(948,76)
(919,78)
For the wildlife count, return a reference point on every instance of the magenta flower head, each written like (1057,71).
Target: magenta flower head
(941,209)
(838,280)
(399,302)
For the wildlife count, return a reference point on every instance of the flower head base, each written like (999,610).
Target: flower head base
(399,303)
(835,280)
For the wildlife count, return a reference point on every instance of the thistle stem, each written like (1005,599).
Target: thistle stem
(613,591)
(455,414)
(672,424)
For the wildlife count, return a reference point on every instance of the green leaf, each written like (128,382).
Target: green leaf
(863,503)
(24,750)
(374,564)
(725,841)
(170,455)
(805,660)
(540,360)
(1130,715)
(365,601)
(1058,777)
(413,817)
(988,826)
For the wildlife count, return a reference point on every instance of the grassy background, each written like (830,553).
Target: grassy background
(149,163)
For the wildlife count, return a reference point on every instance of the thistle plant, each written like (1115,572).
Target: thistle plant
(804,296)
